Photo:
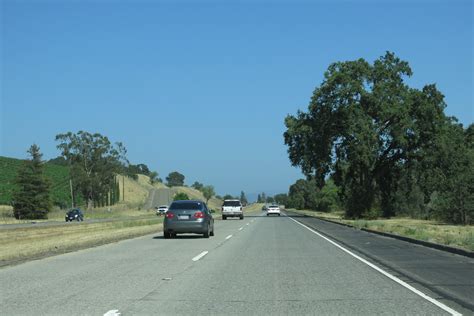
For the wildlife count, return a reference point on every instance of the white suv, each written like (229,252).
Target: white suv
(273,210)
(161,210)
(232,208)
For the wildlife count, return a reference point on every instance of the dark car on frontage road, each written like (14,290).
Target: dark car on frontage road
(74,215)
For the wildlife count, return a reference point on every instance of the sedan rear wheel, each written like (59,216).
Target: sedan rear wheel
(166,235)
(224,217)
(206,234)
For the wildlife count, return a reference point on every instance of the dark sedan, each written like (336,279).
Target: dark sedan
(74,215)
(188,217)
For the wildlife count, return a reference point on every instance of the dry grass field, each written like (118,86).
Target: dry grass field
(35,242)
(253,207)
(136,191)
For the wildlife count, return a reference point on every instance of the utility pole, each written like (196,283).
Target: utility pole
(72,193)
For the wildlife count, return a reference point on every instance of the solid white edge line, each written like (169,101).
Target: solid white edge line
(199,256)
(228,237)
(388,275)
(112,312)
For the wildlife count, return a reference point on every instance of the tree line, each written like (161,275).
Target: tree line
(93,163)
(374,146)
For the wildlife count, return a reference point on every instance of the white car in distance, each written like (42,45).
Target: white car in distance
(161,210)
(273,210)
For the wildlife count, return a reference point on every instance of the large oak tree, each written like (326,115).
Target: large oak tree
(364,124)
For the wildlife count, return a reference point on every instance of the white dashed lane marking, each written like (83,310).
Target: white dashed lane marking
(199,256)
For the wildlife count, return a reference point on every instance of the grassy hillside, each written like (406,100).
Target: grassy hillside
(58,175)
(136,191)
(214,203)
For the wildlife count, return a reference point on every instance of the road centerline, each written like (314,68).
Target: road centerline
(228,237)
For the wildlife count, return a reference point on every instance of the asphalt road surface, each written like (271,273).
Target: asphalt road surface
(256,266)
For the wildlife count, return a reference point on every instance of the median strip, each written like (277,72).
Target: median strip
(24,244)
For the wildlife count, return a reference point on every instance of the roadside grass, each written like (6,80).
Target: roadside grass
(6,214)
(337,216)
(21,244)
(254,207)
(432,231)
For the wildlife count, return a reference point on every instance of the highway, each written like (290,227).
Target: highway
(256,266)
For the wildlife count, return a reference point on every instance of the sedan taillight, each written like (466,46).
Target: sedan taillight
(199,214)
(169,215)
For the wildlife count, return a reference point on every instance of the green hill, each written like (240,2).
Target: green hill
(58,175)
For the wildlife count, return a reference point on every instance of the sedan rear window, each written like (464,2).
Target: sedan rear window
(185,206)
(232,203)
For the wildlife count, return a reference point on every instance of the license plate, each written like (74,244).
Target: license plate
(183,216)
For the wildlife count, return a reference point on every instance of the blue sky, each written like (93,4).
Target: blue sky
(202,87)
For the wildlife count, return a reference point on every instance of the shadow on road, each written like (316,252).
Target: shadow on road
(282,216)
(181,237)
